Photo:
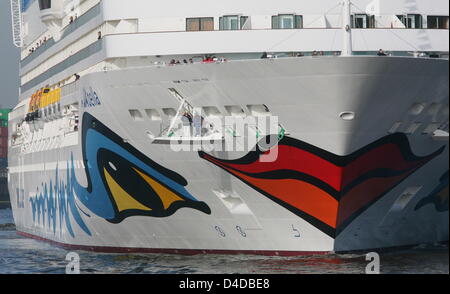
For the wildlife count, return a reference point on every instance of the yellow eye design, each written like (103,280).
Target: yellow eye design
(167,196)
(124,201)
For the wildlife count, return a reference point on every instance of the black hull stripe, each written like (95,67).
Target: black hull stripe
(398,139)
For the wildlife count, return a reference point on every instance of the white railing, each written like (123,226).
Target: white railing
(16,15)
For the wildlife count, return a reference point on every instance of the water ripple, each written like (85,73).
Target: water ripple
(22,255)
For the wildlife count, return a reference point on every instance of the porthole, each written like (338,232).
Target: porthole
(170,112)
(347,115)
(153,114)
(150,135)
(395,128)
(417,109)
(413,128)
(136,114)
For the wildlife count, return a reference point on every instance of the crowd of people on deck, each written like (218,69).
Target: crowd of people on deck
(73,18)
(205,59)
(177,62)
(44,39)
(300,54)
(266,55)
(38,44)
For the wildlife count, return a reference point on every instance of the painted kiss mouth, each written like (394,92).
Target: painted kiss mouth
(327,190)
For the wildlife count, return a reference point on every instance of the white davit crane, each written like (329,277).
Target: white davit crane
(347,28)
(16,15)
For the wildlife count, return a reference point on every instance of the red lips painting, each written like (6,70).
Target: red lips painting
(325,189)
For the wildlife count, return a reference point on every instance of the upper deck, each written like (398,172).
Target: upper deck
(84,34)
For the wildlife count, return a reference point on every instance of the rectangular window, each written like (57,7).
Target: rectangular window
(45,4)
(363,21)
(243,21)
(193,24)
(275,23)
(438,22)
(232,22)
(372,23)
(287,21)
(200,24)
(411,21)
(360,21)
(207,24)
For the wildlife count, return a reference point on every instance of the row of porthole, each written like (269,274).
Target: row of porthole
(418,109)
(415,109)
(211,111)
(261,110)
(431,128)
(433,109)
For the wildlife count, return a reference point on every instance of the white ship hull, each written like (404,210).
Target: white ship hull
(337,185)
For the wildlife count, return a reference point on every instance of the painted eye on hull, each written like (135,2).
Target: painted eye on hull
(123,182)
(128,188)
(135,192)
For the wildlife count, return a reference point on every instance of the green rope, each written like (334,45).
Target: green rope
(231,132)
(281,134)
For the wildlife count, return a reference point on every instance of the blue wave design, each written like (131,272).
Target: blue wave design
(58,201)
(55,202)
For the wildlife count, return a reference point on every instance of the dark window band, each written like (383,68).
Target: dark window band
(82,20)
(72,60)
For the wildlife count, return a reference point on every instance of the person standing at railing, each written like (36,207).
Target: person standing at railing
(187,123)
(381,53)
(198,122)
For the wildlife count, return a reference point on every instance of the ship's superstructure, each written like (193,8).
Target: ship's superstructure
(145,125)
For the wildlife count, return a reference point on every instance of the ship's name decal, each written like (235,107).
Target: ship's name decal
(90,98)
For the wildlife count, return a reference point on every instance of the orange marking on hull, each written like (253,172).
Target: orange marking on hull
(301,195)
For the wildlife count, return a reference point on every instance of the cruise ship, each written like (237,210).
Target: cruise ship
(245,127)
